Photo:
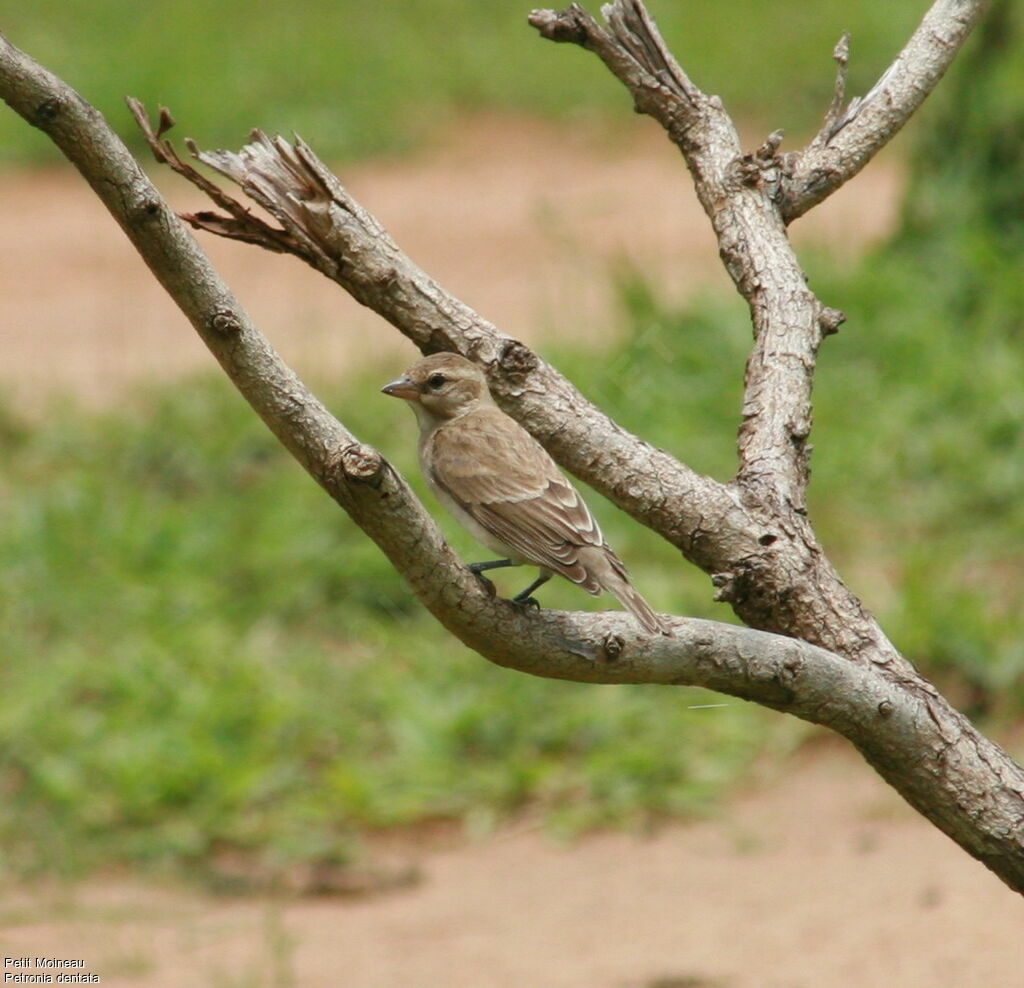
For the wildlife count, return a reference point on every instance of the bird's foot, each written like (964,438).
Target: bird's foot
(526,603)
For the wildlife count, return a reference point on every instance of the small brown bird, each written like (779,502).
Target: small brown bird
(504,488)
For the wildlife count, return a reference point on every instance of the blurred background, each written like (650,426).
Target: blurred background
(213,685)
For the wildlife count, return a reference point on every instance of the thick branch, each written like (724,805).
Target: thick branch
(738,193)
(849,140)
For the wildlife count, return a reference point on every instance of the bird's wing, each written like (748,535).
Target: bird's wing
(506,481)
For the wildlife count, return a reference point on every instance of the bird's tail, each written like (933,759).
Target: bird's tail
(616,581)
(641,610)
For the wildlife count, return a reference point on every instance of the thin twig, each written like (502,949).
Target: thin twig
(833,118)
(240,223)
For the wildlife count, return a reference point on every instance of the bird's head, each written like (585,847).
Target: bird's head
(441,386)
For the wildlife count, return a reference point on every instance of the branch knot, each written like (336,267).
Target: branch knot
(830,320)
(47,111)
(224,322)
(517,361)
(761,167)
(725,587)
(613,647)
(361,463)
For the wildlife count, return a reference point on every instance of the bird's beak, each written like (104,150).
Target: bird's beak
(403,387)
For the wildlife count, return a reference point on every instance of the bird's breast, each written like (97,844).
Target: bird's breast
(440,488)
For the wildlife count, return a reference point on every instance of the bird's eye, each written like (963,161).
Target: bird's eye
(436,381)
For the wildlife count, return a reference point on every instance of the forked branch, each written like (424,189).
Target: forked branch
(738,193)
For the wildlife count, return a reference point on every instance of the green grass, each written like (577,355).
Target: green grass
(356,78)
(920,414)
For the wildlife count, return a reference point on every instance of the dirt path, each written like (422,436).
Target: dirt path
(823,878)
(520,219)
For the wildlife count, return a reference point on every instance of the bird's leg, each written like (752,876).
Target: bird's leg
(525,597)
(477,569)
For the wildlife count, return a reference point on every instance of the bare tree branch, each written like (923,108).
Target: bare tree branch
(964,783)
(750,199)
(849,140)
(756,560)
(738,193)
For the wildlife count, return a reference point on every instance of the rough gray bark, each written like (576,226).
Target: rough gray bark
(751,535)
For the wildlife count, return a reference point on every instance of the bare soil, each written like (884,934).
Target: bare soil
(821,876)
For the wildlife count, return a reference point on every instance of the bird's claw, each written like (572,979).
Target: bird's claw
(526,603)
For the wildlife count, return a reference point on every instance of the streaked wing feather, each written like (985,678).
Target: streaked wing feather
(508,483)
(539,546)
